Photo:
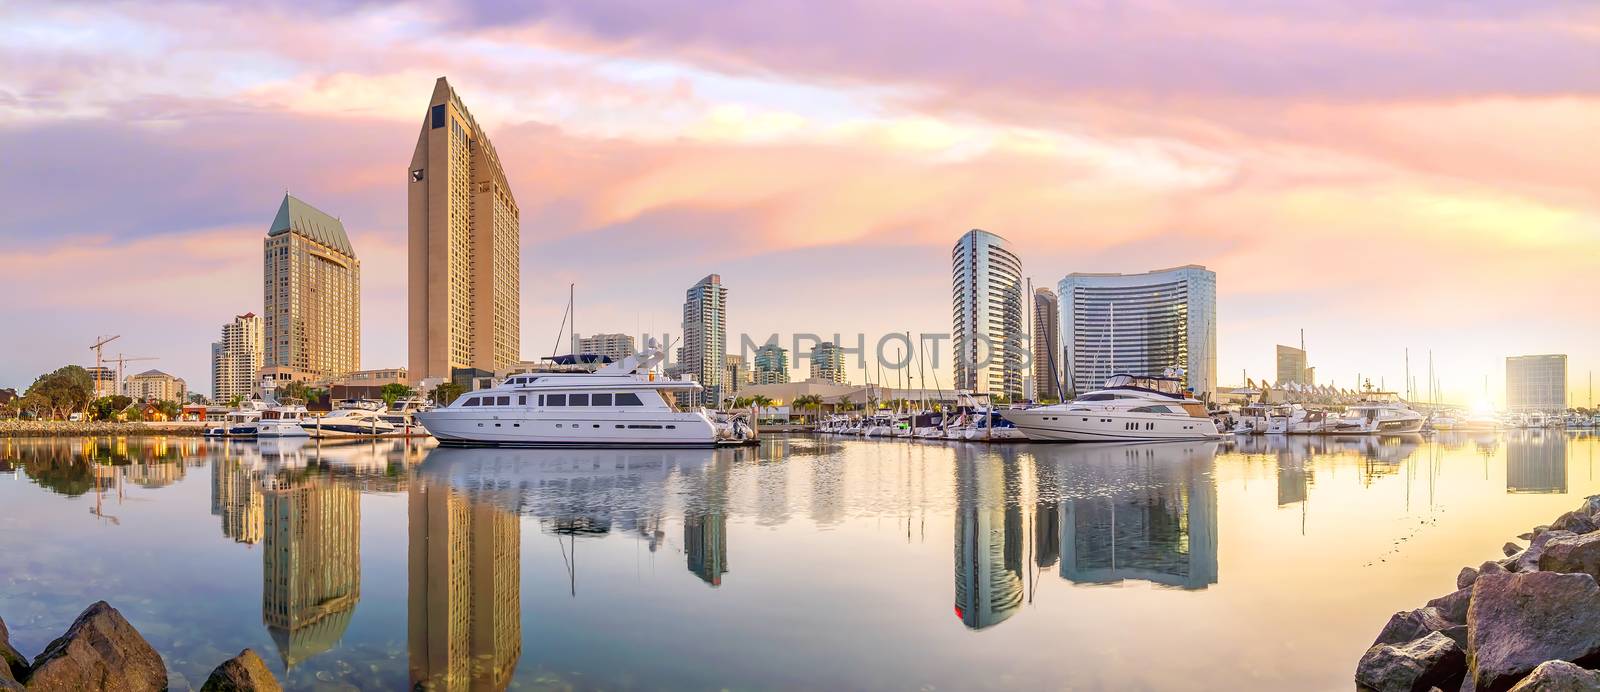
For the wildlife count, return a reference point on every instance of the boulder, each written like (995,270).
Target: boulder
(1453,605)
(1559,676)
(1465,577)
(100,651)
(1510,549)
(1525,535)
(243,673)
(13,665)
(1517,621)
(1411,625)
(1416,666)
(1491,567)
(1590,506)
(1575,522)
(1572,554)
(1528,561)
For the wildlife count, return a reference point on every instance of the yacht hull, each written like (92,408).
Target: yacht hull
(1108,426)
(455,427)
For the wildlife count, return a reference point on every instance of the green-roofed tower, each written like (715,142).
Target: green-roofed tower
(311,296)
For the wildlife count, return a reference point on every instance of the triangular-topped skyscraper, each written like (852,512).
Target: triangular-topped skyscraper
(311,297)
(465,242)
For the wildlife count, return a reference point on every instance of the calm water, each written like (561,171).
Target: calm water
(808,563)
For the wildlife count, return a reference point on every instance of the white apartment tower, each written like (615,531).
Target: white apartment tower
(1141,324)
(236,359)
(987,315)
(705,336)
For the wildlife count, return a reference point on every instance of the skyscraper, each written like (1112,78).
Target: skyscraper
(236,359)
(464,243)
(613,346)
(737,374)
(772,364)
(827,363)
(987,314)
(1046,344)
(311,296)
(1292,366)
(705,336)
(1536,383)
(1140,324)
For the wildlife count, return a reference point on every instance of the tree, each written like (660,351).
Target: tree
(808,402)
(107,407)
(447,392)
(169,409)
(197,398)
(395,391)
(743,402)
(236,401)
(64,390)
(761,402)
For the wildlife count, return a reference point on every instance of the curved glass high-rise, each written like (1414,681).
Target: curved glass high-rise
(987,315)
(1140,324)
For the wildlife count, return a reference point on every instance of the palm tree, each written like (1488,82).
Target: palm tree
(743,402)
(761,402)
(808,402)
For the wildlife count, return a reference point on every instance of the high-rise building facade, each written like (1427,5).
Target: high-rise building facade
(310,563)
(1046,344)
(154,385)
(465,242)
(987,315)
(1292,366)
(1140,324)
(1536,383)
(464,593)
(104,379)
(311,296)
(613,346)
(236,359)
(738,374)
(772,364)
(827,363)
(705,337)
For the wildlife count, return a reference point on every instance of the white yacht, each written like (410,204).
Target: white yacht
(1380,417)
(355,419)
(619,405)
(1130,408)
(403,416)
(1299,420)
(283,420)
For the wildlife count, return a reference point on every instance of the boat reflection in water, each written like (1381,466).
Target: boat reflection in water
(1536,461)
(1105,513)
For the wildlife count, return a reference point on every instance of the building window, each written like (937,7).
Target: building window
(437,113)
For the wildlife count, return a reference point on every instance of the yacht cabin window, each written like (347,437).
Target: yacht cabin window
(555,400)
(603,399)
(471,401)
(503,401)
(628,399)
(577,399)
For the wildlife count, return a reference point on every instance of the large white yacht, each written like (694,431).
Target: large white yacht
(1381,416)
(1132,408)
(619,405)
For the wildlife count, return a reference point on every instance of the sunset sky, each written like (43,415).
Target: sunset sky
(1383,174)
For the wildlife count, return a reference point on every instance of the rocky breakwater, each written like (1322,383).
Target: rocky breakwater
(1530,621)
(102,651)
(58,428)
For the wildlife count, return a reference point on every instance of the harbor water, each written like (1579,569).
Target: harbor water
(802,563)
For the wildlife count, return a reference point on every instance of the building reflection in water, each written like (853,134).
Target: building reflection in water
(988,541)
(311,562)
(464,627)
(236,498)
(705,520)
(1153,517)
(1536,461)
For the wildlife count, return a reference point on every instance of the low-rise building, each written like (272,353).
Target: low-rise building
(154,385)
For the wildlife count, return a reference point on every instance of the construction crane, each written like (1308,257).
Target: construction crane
(122,360)
(100,343)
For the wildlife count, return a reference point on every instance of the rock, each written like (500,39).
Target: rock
(13,665)
(1528,561)
(1453,606)
(100,651)
(1590,506)
(1411,625)
(1465,577)
(1575,522)
(243,673)
(1559,676)
(1434,660)
(1491,567)
(1517,621)
(1510,549)
(1572,554)
(1526,535)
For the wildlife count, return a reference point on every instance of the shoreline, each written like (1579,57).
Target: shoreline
(13,428)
